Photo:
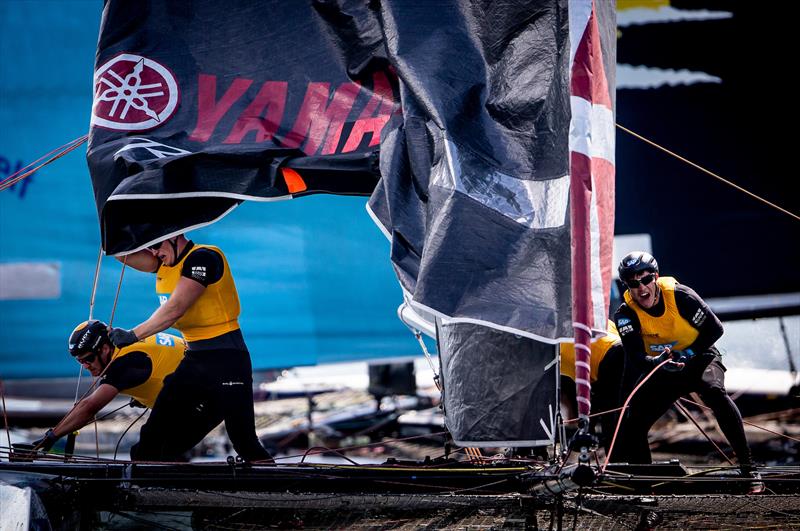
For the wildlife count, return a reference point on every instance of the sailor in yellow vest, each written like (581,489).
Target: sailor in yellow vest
(606,370)
(214,382)
(664,320)
(138,371)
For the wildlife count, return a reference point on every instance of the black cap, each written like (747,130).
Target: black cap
(88,337)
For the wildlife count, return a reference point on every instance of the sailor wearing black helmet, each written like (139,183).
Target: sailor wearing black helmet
(137,371)
(214,382)
(664,320)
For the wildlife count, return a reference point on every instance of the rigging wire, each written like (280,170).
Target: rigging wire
(709,172)
(91,312)
(5,414)
(418,335)
(746,422)
(94,283)
(119,285)
(689,416)
(99,376)
(27,171)
(116,448)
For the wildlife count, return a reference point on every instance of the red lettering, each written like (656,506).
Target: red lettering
(318,120)
(371,122)
(271,95)
(209,110)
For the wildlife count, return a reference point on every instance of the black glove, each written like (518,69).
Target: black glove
(665,355)
(673,365)
(122,337)
(46,443)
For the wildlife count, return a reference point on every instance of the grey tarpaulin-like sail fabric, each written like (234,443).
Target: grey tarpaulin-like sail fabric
(499,389)
(475,185)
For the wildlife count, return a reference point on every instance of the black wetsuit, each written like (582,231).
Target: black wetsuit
(703,373)
(213,383)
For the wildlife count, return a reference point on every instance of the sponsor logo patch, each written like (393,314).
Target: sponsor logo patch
(699,317)
(660,348)
(133,93)
(623,321)
(626,329)
(199,272)
(165,340)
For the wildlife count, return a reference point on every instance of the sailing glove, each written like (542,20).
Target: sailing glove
(674,365)
(45,443)
(121,337)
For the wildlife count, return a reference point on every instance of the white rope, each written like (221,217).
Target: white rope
(94,284)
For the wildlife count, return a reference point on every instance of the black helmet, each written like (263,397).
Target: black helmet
(636,262)
(88,336)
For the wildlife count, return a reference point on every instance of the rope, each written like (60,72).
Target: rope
(625,406)
(91,312)
(474,453)
(78,386)
(96,439)
(418,335)
(606,412)
(116,448)
(5,415)
(690,163)
(94,283)
(689,416)
(748,423)
(119,285)
(99,377)
(22,173)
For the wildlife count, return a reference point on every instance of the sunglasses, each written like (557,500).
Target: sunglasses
(155,246)
(644,281)
(87,359)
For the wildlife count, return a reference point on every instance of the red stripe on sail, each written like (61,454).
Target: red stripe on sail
(589,79)
(603,172)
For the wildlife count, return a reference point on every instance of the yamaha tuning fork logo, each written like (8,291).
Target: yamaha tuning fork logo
(133,93)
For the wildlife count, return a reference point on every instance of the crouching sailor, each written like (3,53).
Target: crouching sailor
(605,373)
(214,382)
(662,320)
(137,371)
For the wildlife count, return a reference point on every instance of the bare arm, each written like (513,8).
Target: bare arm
(186,293)
(142,260)
(86,409)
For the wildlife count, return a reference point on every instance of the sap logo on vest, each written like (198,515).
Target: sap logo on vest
(162,298)
(623,321)
(699,317)
(660,348)
(165,340)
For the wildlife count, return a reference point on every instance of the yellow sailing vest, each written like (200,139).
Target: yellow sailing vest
(165,352)
(669,329)
(599,348)
(214,313)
